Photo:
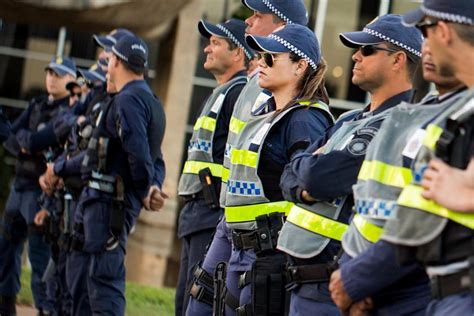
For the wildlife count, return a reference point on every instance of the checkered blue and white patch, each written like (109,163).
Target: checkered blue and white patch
(244,188)
(375,208)
(200,145)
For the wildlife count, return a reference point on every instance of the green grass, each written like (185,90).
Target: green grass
(141,300)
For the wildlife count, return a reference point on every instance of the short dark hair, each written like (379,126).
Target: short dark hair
(413,61)
(465,32)
(277,19)
(233,46)
(134,70)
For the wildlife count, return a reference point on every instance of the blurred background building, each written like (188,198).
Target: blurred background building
(31,31)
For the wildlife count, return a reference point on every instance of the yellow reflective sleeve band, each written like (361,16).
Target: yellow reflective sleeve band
(225,174)
(248,213)
(316,223)
(385,173)
(433,132)
(195,166)
(236,125)
(411,197)
(315,105)
(244,157)
(370,231)
(205,122)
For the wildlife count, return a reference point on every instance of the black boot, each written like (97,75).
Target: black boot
(7,305)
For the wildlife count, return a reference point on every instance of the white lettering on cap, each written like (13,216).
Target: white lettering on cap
(139,47)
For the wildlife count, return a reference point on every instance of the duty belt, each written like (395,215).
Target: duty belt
(455,283)
(262,239)
(196,196)
(314,273)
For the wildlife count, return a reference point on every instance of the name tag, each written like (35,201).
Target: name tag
(257,139)
(414,144)
(217,104)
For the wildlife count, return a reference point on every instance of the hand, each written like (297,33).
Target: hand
(45,187)
(318,151)
(306,197)
(155,199)
(80,119)
(338,293)
(50,177)
(448,186)
(40,216)
(361,308)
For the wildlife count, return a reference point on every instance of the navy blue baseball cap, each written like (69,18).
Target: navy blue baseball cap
(457,11)
(109,40)
(94,73)
(102,62)
(62,66)
(132,50)
(232,29)
(294,38)
(290,11)
(386,28)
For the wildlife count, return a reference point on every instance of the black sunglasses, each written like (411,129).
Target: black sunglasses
(72,94)
(368,50)
(424,25)
(268,58)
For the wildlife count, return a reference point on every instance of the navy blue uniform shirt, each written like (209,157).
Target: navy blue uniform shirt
(288,137)
(129,119)
(34,141)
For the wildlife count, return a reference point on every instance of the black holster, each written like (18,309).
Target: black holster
(210,188)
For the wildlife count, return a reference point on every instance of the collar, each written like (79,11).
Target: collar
(240,73)
(134,83)
(387,104)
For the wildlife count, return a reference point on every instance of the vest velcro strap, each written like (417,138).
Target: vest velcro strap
(384,173)
(433,132)
(244,157)
(316,223)
(236,125)
(194,167)
(411,197)
(370,231)
(206,122)
(248,213)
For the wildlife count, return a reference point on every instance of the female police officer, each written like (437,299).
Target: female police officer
(292,69)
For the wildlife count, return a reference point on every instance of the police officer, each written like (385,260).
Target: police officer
(125,170)
(63,179)
(439,238)
(383,175)
(292,69)
(227,59)
(267,16)
(321,179)
(31,134)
